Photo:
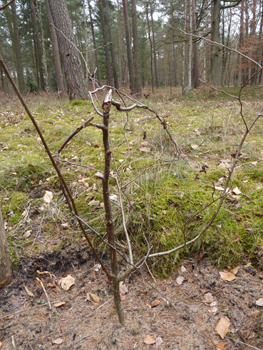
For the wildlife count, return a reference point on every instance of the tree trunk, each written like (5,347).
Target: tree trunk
(184,49)
(175,82)
(94,43)
(39,56)
(113,59)
(56,57)
(190,56)
(77,88)
(195,52)
(43,44)
(150,44)
(105,41)
(215,59)
(128,45)
(136,53)
(121,53)
(5,262)
(154,47)
(17,48)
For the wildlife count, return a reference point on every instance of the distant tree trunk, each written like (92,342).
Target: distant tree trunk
(5,262)
(136,53)
(215,59)
(195,47)
(175,82)
(129,50)
(241,43)
(184,49)
(76,85)
(190,57)
(43,44)
(150,44)
(113,59)
(154,47)
(121,53)
(94,43)
(105,41)
(39,56)
(254,38)
(18,54)
(56,57)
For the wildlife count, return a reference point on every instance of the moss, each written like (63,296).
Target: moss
(80,103)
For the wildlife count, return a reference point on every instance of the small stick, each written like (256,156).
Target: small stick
(13,342)
(42,285)
(150,272)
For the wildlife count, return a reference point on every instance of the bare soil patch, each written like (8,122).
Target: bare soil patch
(27,322)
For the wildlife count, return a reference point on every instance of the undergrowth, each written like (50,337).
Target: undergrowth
(166,204)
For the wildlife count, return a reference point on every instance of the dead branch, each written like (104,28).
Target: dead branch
(4,6)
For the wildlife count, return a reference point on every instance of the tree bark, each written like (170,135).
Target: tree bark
(18,54)
(94,43)
(56,57)
(39,55)
(195,52)
(215,59)
(190,56)
(76,85)
(113,59)
(128,45)
(43,44)
(150,44)
(154,47)
(5,262)
(105,41)
(136,53)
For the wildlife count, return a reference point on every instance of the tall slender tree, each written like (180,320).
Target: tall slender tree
(128,46)
(136,53)
(76,84)
(17,49)
(113,58)
(56,57)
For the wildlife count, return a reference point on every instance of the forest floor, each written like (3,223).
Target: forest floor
(74,321)
(169,198)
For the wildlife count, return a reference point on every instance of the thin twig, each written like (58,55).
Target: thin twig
(4,6)
(42,285)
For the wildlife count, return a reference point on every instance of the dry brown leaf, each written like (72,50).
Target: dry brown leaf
(208,298)
(95,298)
(155,302)
(57,341)
(235,270)
(144,143)
(59,304)
(179,280)
(221,346)
(149,340)
(67,282)
(194,146)
(223,326)
(145,149)
(227,276)
(123,288)
(48,197)
(1,344)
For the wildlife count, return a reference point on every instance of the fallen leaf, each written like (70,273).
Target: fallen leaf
(114,197)
(144,143)
(194,146)
(67,282)
(208,298)
(155,303)
(149,340)
(183,269)
(223,326)
(97,267)
(221,346)
(99,175)
(227,276)
(57,341)
(95,298)
(94,203)
(96,146)
(159,341)
(1,344)
(179,280)
(259,302)
(145,149)
(48,197)
(31,165)
(59,304)
(123,288)
(235,270)
(236,190)
(27,234)
(28,292)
